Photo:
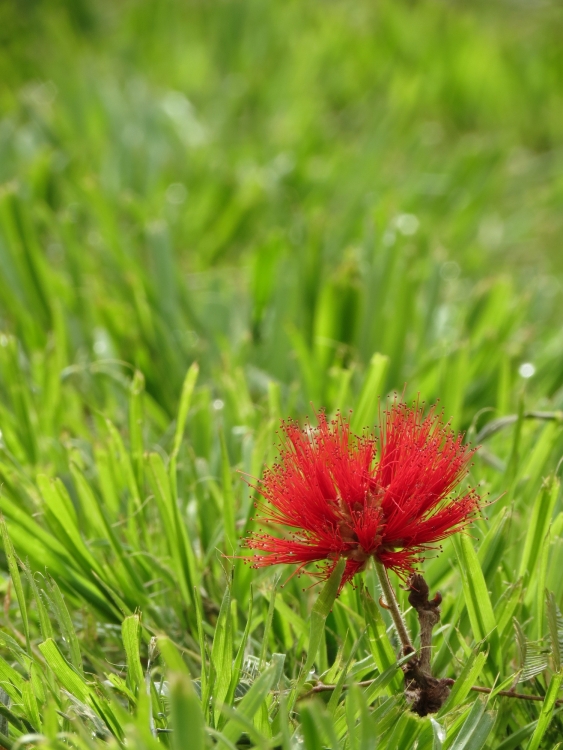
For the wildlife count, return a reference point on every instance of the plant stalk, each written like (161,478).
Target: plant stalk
(322,688)
(393,607)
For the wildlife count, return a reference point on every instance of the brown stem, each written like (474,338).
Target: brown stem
(428,616)
(427,694)
(393,607)
(512,694)
(322,688)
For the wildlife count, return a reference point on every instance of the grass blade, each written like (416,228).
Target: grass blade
(365,413)
(477,600)
(131,635)
(546,714)
(187,716)
(475,730)
(16,578)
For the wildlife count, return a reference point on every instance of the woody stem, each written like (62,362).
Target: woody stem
(393,606)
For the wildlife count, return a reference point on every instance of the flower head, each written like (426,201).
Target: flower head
(337,495)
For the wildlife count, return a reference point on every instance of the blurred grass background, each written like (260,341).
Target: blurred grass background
(286,189)
(317,203)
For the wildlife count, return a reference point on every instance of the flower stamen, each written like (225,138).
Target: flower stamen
(345,496)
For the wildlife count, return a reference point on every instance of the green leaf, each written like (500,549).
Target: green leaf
(175,529)
(30,705)
(540,576)
(16,578)
(237,665)
(254,699)
(205,676)
(337,692)
(136,421)
(438,735)
(69,678)
(381,647)
(361,724)
(462,686)
(514,742)
(44,621)
(378,686)
(187,717)
(533,656)
(66,625)
(366,411)
(136,527)
(228,498)
(316,725)
(222,652)
(97,510)
(130,633)
(320,612)
(183,410)
(555,622)
(477,600)
(172,656)
(535,465)
(268,621)
(538,525)
(62,518)
(11,681)
(507,607)
(476,728)
(546,712)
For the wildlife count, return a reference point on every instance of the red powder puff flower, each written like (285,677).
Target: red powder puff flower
(345,496)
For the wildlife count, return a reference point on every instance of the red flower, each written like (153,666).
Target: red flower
(342,497)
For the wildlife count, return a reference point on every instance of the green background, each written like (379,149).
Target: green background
(318,203)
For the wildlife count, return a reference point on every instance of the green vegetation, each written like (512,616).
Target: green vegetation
(213,215)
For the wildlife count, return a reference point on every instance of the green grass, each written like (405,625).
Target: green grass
(316,203)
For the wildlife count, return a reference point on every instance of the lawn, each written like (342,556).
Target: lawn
(218,216)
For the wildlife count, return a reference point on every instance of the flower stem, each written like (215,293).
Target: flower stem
(393,606)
